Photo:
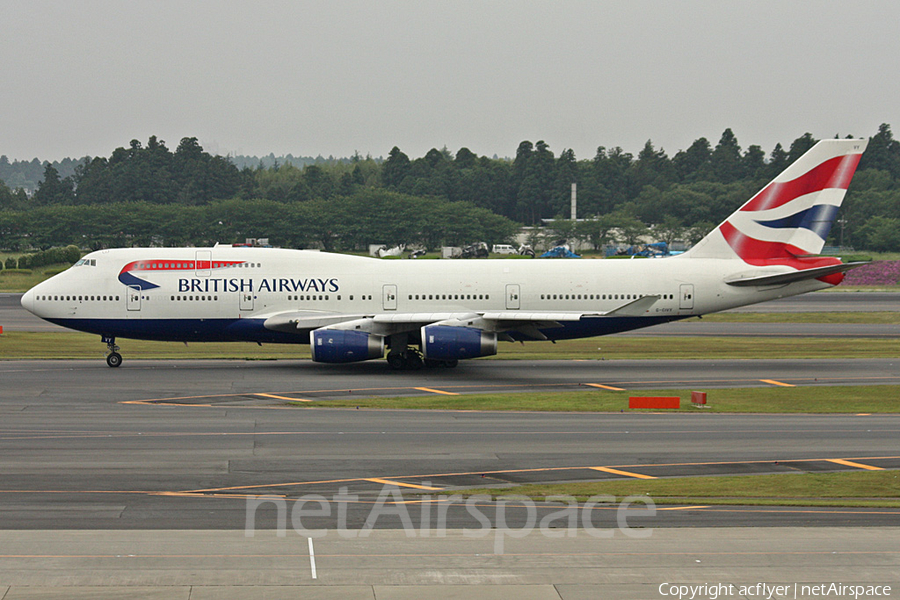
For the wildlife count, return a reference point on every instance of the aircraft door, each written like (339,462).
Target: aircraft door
(687,296)
(512,296)
(133,298)
(246,300)
(203,263)
(389,297)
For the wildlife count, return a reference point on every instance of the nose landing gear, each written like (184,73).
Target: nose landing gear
(113,358)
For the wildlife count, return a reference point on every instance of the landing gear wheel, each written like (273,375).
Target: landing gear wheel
(396,361)
(414,360)
(113,359)
(450,364)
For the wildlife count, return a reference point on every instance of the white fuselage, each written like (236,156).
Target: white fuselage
(224,284)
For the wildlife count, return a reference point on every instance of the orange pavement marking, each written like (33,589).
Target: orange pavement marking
(423,389)
(618,472)
(401,484)
(848,463)
(283,398)
(773,382)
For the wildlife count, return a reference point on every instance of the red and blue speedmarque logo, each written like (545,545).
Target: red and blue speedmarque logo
(127,274)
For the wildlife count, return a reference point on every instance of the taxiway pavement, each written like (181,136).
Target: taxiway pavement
(183,444)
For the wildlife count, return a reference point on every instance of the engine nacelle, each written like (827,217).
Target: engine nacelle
(342,346)
(443,342)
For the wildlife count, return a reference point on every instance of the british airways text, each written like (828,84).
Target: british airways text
(265,285)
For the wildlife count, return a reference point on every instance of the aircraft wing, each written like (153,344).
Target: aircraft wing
(389,323)
(295,320)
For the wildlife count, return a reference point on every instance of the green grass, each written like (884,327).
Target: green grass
(861,489)
(801,399)
(22,280)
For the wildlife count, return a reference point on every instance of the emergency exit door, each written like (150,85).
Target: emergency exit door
(389,297)
(133,298)
(512,296)
(687,296)
(246,300)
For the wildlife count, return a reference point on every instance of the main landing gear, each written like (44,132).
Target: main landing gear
(113,358)
(412,360)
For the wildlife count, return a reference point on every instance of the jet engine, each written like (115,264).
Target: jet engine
(445,342)
(341,346)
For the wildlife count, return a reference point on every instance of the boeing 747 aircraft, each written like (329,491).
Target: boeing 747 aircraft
(436,313)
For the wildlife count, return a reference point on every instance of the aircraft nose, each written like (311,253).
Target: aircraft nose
(28,300)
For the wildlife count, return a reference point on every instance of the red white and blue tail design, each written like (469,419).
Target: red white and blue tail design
(786,222)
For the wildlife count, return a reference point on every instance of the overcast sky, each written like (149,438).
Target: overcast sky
(331,78)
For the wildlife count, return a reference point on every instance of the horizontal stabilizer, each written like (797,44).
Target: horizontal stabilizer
(793,276)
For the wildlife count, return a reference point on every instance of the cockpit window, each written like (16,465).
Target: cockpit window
(86,262)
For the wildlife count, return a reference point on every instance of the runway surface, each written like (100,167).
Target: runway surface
(113,488)
(181,445)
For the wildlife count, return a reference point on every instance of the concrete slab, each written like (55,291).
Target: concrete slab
(622,591)
(216,561)
(467,592)
(269,592)
(98,593)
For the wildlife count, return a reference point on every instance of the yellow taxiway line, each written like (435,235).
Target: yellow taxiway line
(625,473)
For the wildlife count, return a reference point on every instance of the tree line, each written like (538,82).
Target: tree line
(147,190)
(343,223)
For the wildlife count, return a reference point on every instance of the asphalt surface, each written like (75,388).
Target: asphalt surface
(184,444)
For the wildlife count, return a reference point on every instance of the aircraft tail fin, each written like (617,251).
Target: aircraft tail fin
(788,220)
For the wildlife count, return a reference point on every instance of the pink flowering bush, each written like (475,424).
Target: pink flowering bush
(883,272)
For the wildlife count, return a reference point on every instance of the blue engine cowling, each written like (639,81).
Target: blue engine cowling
(340,346)
(443,342)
